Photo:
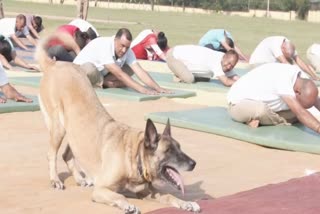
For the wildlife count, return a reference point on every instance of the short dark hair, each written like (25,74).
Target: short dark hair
(230,42)
(81,38)
(38,21)
(21,17)
(5,48)
(232,52)
(124,31)
(92,34)
(162,41)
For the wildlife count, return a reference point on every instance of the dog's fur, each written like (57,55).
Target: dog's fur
(112,156)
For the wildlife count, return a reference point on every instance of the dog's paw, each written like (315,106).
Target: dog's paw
(57,184)
(191,206)
(131,209)
(85,183)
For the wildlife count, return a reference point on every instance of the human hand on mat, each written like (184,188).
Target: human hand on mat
(33,67)
(149,91)
(3,100)
(164,91)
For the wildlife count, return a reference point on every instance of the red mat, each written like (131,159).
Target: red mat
(296,196)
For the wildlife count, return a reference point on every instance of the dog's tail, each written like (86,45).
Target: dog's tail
(41,54)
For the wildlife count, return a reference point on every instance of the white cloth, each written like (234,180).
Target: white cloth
(268,50)
(141,36)
(100,52)
(315,49)
(3,76)
(83,25)
(7,26)
(200,59)
(266,83)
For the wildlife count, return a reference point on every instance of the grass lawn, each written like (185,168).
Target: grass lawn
(180,28)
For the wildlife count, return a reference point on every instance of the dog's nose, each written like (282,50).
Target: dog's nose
(192,164)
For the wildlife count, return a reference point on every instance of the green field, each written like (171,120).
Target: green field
(180,28)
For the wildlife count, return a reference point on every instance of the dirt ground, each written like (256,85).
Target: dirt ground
(224,166)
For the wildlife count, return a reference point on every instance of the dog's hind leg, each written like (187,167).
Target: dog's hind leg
(57,133)
(74,169)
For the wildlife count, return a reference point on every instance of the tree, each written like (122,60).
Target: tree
(1,10)
(82,9)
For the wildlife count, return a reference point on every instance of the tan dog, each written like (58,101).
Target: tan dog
(113,156)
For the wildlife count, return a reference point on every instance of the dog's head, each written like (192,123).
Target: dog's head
(165,156)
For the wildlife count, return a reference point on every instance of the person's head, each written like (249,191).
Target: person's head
(37,23)
(306,92)
(92,34)
(162,41)
(288,49)
(229,60)
(122,42)
(81,38)
(20,22)
(5,48)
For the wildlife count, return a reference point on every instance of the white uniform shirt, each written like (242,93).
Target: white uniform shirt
(315,49)
(198,58)
(266,83)
(8,25)
(83,25)
(100,52)
(3,76)
(268,50)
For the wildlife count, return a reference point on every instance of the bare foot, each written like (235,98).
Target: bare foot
(11,93)
(21,98)
(253,123)
(3,100)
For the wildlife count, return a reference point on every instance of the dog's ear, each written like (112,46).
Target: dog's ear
(150,136)
(167,130)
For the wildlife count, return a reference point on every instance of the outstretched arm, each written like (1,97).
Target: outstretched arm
(306,68)
(146,78)
(304,116)
(126,79)
(20,62)
(33,31)
(5,62)
(18,42)
(241,55)
(228,81)
(31,40)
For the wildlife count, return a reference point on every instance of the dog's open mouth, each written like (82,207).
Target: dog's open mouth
(173,177)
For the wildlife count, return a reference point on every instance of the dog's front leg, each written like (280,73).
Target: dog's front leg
(173,201)
(106,196)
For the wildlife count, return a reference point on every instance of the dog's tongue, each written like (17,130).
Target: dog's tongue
(177,177)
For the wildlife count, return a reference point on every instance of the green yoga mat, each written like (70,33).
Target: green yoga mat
(217,121)
(119,93)
(12,106)
(166,80)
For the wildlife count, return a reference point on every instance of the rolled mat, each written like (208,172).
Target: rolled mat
(296,196)
(12,106)
(119,93)
(216,120)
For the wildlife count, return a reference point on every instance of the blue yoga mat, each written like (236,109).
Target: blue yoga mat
(166,80)
(216,120)
(119,93)
(12,106)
